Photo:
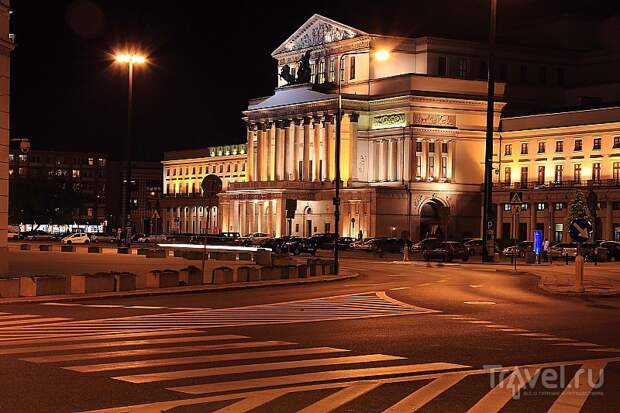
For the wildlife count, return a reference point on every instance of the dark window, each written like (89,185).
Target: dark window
(541,174)
(441,66)
(578,145)
(597,144)
(444,147)
(508,150)
(524,149)
(431,146)
(507,176)
(524,174)
(615,205)
(559,146)
(461,68)
(541,147)
(418,146)
(577,173)
(352,68)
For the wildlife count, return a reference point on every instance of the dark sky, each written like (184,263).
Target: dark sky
(206,62)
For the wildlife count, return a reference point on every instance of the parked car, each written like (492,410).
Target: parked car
(37,235)
(518,250)
(562,250)
(76,238)
(380,245)
(361,245)
(153,238)
(613,249)
(323,240)
(474,246)
(255,238)
(594,251)
(425,244)
(447,251)
(103,238)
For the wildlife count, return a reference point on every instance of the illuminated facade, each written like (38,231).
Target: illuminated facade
(411,141)
(6,46)
(183,207)
(545,158)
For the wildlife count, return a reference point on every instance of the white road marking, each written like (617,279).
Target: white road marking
(514,330)
(533,334)
(175,361)
(341,397)
(4,325)
(576,393)
(248,368)
(424,284)
(480,302)
(478,322)
(251,403)
(145,307)
(425,394)
(476,285)
(578,344)
(555,339)
(63,304)
(399,288)
(312,377)
(502,393)
(496,326)
(604,350)
(17,316)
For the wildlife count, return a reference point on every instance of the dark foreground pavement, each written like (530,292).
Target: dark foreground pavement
(399,338)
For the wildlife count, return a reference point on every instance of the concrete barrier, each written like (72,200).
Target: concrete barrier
(254,274)
(125,281)
(91,283)
(328,267)
(179,253)
(244,256)
(270,273)
(9,287)
(142,251)
(190,276)
(25,247)
(156,253)
(243,274)
(302,270)
(45,247)
(67,248)
(225,256)
(95,250)
(123,250)
(263,257)
(162,279)
(34,286)
(223,275)
(194,255)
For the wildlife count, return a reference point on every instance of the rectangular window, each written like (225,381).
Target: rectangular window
(559,206)
(101,161)
(431,147)
(559,230)
(596,172)
(11,157)
(578,145)
(559,171)
(418,164)
(23,158)
(596,144)
(300,170)
(75,173)
(312,72)
(431,166)
(524,207)
(352,68)
(444,166)
(461,68)
(540,206)
(577,173)
(507,207)
(508,150)
(418,146)
(321,71)
(524,149)
(507,176)
(327,227)
(616,142)
(616,171)
(442,66)
(541,147)
(91,161)
(221,168)
(236,168)
(444,147)
(615,205)
(168,172)
(332,69)
(194,170)
(541,174)
(524,175)
(559,146)
(228,168)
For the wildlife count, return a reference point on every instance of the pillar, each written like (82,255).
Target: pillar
(269,212)
(353,175)
(450,171)
(400,158)
(317,147)
(393,159)
(306,150)
(250,153)
(278,154)
(330,148)
(260,154)
(280,210)
(424,159)
(295,148)
(270,149)
(608,230)
(500,216)
(409,160)
(381,176)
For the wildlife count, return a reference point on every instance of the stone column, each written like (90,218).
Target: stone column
(306,150)
(297,143)
(437,159)
(269,211)
(277,160)
(270,150)
(393,160)
(353,118)
(424,159)
(400,155)
(500,216)
(250,152)
(288,174)
(251,208)
(385,144)
(372,161)
(451,145)
(261,171)
(409,162)
(317,147)
(381,176)
(330,148)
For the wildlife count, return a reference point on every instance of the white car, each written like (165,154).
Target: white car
(77,238)
(153,238)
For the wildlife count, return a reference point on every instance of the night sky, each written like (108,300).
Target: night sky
(206,62)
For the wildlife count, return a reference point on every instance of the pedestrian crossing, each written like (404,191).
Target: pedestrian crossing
(343,307)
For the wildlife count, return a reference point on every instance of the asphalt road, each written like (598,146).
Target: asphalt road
(401,337)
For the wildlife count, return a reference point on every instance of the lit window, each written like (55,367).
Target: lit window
(577,173)
(101,161)
(559,171)
(444,166)
(508,150)
(541,174)
(507,207)
(11,157)
(431,166)
(523,175)
(418,163)
(596,171)
(524,207)
(540,206)
(559,146)
(91,161)
(616,171)
(321,71)
(541,147)
(11,172)
(23,158)
(332,69)
(559,206)
(507,176)
(75,173)
(616,142)
(524,149)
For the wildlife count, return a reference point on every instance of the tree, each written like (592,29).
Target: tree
(578,208)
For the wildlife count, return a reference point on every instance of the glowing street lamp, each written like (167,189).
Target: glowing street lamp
(128,59)
(380,55)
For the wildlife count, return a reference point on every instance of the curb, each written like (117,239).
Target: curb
(549,290)
(180,290)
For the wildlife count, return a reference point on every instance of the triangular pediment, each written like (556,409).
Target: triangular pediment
(316,31)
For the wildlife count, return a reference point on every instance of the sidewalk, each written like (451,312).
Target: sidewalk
(182,290)
(600,280)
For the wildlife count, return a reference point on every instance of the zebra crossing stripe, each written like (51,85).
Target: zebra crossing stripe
(175,361)
(152,351)
(505,391)
(312,377)
(248,368)
(4,325)
(17,316)
(576,393)
(341,397)
(191,339)
(423,395)
(251,403)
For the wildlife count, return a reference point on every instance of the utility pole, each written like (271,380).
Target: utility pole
(487,216)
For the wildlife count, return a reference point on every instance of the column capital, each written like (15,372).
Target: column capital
(279,124)
(354,116)
(328,118)
(252,126)
(317,119)
(262,126)
(307,120)
(298,121)
(285,123)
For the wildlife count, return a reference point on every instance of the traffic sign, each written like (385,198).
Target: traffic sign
(211,185)
(516,198)
(580,230)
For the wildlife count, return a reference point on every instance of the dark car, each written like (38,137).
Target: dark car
(594,251)
(385,245)
(425,244)
(323,241)
(447,251)
(38,235)
(519,250)
(613,249)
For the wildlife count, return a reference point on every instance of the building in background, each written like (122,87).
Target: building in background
(413,128)
(6,46)
(544,159)
(54,187)
(184,208)
(146,193)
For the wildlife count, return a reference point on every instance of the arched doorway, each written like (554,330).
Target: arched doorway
(433,219)
(307,222)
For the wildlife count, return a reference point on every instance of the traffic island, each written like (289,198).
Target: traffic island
(91,283)
(190,276)
(9,287)
(35,286)
(67,248)
(95,250)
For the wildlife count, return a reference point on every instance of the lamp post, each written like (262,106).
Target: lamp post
(128,59)
(380,55)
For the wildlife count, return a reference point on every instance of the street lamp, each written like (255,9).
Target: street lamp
(380,55)
(129,60)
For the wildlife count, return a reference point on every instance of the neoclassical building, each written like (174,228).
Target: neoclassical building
(411,142)
(183,206)
(6,46)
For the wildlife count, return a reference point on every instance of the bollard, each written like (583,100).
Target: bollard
(405,253)
(579,261)
(566,258)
